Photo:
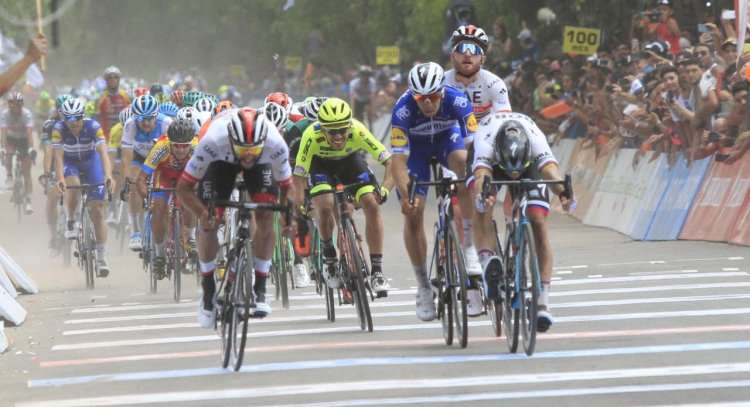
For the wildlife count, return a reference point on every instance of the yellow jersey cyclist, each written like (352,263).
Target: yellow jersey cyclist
(115,157)
(331,150)
(164,164)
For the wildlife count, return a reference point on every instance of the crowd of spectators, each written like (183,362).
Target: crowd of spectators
(666,90)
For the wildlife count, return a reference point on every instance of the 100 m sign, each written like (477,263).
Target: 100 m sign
(580,40)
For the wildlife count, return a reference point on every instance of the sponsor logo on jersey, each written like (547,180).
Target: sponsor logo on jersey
(306,149)
(471,123)
(275,156)
(403,113)
(461,101)
(398,137)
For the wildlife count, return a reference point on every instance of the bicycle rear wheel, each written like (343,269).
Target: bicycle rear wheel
(357,269)
(458,279)
(530,286)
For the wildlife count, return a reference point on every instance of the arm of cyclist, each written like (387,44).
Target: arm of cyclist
(379,153)
(101,148)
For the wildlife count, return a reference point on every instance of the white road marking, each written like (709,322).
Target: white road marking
(399,327)
(375,385)
(595,276)
(563,272)
(582,304)
(629,263)
(735,258)
(652,278)
(730,269)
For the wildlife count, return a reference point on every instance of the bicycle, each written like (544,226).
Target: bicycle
(282,264)
(447,261)
(62,246)
(85,241)
(17,197)
(315,263)
(174,245)
(520,285)
(235,295)
(353,268)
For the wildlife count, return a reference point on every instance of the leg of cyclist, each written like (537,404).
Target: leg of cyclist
(135,206)
(374,233)
(71,203)
(323,202)
(538,218)
(28,184)
(484,233)
(159,223)
(457,164)
(50,210)
(118,179)
(95,174)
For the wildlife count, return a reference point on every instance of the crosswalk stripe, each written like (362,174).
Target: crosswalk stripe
(584,304)
(374,385)
(400,344)
(403,327)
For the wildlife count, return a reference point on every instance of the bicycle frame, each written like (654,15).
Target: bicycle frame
(85,240)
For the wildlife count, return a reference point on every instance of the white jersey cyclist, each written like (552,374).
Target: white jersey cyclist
(140,141)
(484,141)
(487,93)
(216,146)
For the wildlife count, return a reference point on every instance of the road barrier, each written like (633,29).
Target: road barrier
(3,339)
(16,273)
(7,284)
(643,197)
(10,309)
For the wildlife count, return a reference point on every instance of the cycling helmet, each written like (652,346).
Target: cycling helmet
(44,95)
(177,96)
(168,109)
(311,107)
(426,78)
(335,113)
(512,149)
(111,71)
(205,104)
(125,114)
(15,97)
(276,114)
(61,99)
(248,128)
(191,97)
(145,106)
(223,105)
(185,113)
(140,91)
(72,107)
(281,98)
(470,33)
(156,89)
(181,131)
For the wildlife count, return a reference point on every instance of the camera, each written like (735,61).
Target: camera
(670,97)
(714,136)
(652,15)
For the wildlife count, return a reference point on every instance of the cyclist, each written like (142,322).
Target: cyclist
(114,149)
(176,97)
(429,120)
(138,137)
(112,101)
(81,157)
(511,146)
(284,100)
(361,94)
(49,169)
(165,163)
(488,94)
(331,150)
(44,107)
(17,125)
(239,140)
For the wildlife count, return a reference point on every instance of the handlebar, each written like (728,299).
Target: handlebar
(250,206)
(567,183)
(445,182)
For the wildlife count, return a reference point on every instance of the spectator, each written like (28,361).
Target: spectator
(36,49)
(361,94)
(501,47)
(666,29)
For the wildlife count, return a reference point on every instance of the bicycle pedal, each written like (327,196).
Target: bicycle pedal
(382,294)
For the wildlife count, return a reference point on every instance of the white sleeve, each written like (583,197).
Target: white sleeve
(29,118)
(484,154)
(500,97)
(541,152)
(205,153)
(128,134)
(278,156)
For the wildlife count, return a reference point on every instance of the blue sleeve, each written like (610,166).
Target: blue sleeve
(463,113)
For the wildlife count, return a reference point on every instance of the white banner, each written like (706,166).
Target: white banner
(741,16)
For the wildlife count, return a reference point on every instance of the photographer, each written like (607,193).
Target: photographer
(665,28)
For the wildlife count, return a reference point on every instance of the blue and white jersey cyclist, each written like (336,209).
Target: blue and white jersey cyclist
(139,135)
(430,120)
(81,158)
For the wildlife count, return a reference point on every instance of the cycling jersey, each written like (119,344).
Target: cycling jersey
(215,146)
(15,126)
(139,141)
(409,125)
(109,107)
(314,144)
(46,136)
(293,135)
(115,137)
(81,147)
(161,159)
(487,93)
(484,146)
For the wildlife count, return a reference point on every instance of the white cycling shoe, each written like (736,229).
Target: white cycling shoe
(301,277)
(473,268)
(425,304)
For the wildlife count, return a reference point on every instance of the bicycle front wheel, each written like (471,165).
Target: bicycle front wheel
(178,258)
(530,286)
(242,297)
(357,268)
(88,250)
(458,278)
(511,313)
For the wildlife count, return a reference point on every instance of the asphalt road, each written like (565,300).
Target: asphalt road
(636,324)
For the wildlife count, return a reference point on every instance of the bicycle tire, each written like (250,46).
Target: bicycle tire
(88,243)
(147,250)
(177,257)
(530,286)
(284,274)
(358,272)
(458,287)
(511,315)
(494,305)
(225,326)
(243,294)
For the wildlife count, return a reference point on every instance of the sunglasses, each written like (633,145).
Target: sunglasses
(181,145)
(73,119)
(433,97)
(336,132)
(245,151)
(468,48)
